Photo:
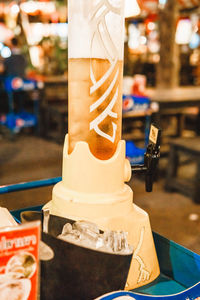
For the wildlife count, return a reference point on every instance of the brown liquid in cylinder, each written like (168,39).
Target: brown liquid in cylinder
(80,101)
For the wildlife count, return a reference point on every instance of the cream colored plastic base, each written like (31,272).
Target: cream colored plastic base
(94,190)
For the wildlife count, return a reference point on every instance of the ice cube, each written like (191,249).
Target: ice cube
(87,234)
(88,229)
(67,228)
(116,240)
(46,216)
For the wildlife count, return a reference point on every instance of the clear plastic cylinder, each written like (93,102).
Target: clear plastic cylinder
(95,73)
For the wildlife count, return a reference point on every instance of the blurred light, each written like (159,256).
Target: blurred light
(1,46)
(162,2)
(143,40)
(5,33)
(155,58)
(134,37)
(183,32)
(131,8)
(36,31)
(195,41)
(196,28)
(17,30)
(133,44)
(55,17)
(151,26)
(195,57)
(14,9)
(35,55)
(154,46)
(62,30)
(31,7)
(5,52)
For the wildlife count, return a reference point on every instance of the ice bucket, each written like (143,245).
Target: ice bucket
(77,272)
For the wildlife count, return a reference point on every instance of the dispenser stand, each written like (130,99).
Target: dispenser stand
(94,190)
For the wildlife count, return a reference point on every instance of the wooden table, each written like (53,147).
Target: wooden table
(177,97)
(179,148)
(176,102)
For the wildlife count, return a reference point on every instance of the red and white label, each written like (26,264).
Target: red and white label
(19,262)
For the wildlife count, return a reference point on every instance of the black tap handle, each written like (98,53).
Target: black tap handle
(151,162)
(152,156)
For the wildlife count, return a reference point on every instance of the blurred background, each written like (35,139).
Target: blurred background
(161,85)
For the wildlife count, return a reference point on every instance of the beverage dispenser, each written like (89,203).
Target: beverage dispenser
(95,168)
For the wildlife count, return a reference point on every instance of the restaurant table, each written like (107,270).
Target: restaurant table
(175,102)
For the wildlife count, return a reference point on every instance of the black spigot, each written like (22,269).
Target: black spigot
(151,158)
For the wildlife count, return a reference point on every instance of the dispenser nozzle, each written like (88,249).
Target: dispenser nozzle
(151,158)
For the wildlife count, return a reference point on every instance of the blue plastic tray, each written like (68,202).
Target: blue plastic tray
(180,272)
(180,267)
